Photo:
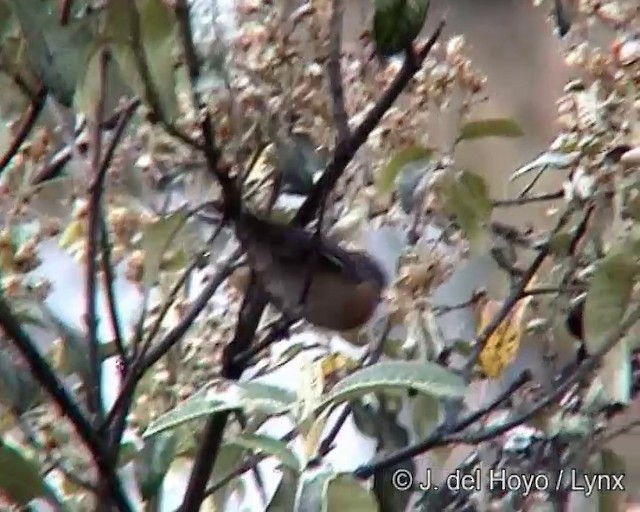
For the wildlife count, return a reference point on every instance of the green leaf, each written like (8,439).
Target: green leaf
(616,373)
(269,446)
(312,489)
(396,23)
(494,127)
(386,177)
(58,54)
(344,492)
(552,159)
(467,199)
(285,496)
(158,32)
(20,479)
(611,466)
(224,397)
(153,462)
(156,238)
(159,37)
(607,297)
(228,460)
(87,93)
(423,377)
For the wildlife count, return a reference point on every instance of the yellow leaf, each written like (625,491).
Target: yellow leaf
(73,233)
(502,346)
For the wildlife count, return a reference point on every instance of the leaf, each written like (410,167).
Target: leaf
(344,492)
(612,468)
(616,373)
(20,479)
(153,462)
(607,298)
(552,159)
(87,93)
(156,238)
(312,489)
(386,177)
(158,28)
(502,346)
(423,377)
(269,446)
(224,397)
(396,23)
(493,127)
(285,496)
(158,31)
(57,53)
(467,199)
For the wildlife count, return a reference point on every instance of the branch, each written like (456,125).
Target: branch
(151,94)
(107,267)
(48,380)
(169,340)
(189,49)
(340,115)
(93,233)
(65,11)
(26,125)
(248,321)
(440,437)
(559,194)
(513,298)
(346,149)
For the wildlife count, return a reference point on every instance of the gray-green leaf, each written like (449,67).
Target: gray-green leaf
(467,199)
(387,176)
(423,377)
(493,127)
(608,297)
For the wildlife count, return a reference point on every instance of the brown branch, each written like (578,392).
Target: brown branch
(340,115)
(107,267)
(26,125)
(93,233)
(513,298)
(346,149)
(152,97)
(65,11)
(527,200)
(49,381)
(188,48)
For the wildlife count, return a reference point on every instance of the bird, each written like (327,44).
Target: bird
(305,275)
(344,287)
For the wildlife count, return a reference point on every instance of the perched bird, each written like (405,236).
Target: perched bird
(343,287)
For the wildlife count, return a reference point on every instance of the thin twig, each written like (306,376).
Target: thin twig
(188,49)
(107,267)
(48,380)
(327,443)
(513,298)
(93,233)
(50,459)
(65,11)
(151,95)
(247,325)
(26,125)
(346,150)
(444,436)
(170,339)
(527,200)
(340,116)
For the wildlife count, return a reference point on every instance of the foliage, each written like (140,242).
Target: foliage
(98,410)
